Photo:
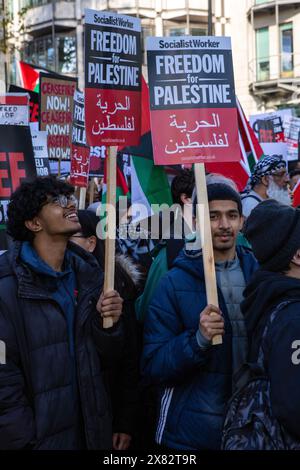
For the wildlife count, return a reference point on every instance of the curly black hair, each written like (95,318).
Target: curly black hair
(183,183)
(27,201)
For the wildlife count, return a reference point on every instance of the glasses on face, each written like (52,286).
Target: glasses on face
(64,201)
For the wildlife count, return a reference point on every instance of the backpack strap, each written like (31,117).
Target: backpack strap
(252,196)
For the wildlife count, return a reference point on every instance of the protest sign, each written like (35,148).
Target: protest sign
(97,160)
(112,78)
(14,109)
(40,150)
(16,161)
(291,134)
(80,152)
(192,100)
(34,101)
(268,127)
(56,113)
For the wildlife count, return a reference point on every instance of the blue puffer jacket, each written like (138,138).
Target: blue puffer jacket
(36,383)
(194,384)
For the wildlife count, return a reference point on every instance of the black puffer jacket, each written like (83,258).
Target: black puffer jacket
(37,412)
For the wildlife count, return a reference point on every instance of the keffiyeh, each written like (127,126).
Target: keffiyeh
(268,165)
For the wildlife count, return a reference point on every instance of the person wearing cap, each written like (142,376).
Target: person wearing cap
(194,379)
(269,179)
(273,229)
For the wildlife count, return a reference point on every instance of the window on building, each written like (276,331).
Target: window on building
(286,49)
(258,2)
(147,31)
(262,54)
(41,52)
(198,31)
(66,54)
(175,31)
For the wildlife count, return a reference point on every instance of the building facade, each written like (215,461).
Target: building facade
(266,49)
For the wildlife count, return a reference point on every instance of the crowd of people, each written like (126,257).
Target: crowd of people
(154,379)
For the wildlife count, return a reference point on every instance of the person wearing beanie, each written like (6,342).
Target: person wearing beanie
(269,179)
(273,229)
(193,378)
(122,378)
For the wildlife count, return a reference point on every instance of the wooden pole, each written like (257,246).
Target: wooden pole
(82,196)
(207,246)
(91,191)
(109,266)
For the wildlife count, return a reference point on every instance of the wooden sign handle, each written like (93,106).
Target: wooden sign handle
(91,191)
(109,264)
(207,246)
(82,196)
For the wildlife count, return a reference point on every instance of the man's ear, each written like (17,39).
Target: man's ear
(265,181)
(185,199)
(242,222)
(92,243)
(296,258)
(33,225)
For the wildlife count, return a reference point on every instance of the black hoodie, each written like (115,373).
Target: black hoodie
(265,291)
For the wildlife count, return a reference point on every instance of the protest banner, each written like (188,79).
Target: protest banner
(16,161)
(291,126)
(112,101)
(97,160)
(268,127)
(192,100)
(194,118)
(80,152)
(14,109)
(34,101)
(40,150)
(56,113)
(112,78)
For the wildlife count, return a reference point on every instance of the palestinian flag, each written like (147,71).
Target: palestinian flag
(149,183)
(30,75)
(122,187)
(250,147)
(251,152)
(296,195)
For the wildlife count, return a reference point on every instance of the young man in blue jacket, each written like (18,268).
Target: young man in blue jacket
(52,394)
(195,378)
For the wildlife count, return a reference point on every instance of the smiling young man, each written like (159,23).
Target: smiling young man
(195,378)
(52,394)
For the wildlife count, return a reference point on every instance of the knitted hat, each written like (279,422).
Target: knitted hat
(219,192)
(273,229)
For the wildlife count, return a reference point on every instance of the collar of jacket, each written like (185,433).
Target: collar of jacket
(36,286)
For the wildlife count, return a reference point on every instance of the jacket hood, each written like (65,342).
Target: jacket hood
(266,290)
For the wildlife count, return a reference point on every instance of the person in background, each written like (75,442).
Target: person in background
(294,178)
(122,380)
(269,179)
(272,304)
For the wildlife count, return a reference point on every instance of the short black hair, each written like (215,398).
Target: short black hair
(27,201)
(183,183)
(295,172)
